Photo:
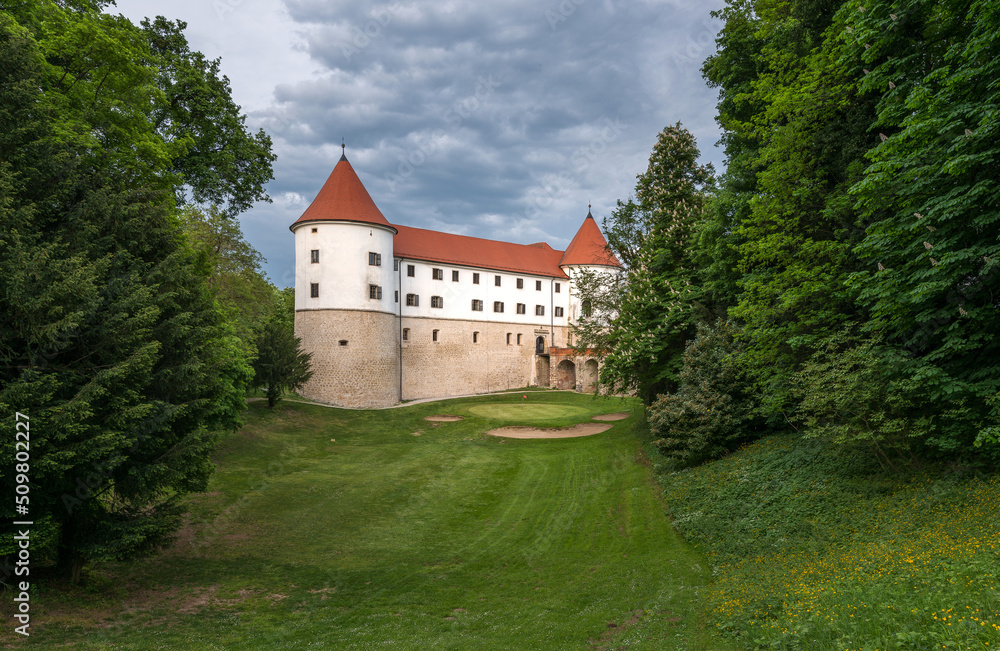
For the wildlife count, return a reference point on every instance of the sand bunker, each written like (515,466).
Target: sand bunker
(443,418)
(621,415)
(583,429)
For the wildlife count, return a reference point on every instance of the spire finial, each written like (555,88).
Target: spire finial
(343,150)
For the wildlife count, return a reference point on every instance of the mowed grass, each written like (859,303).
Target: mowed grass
(336,529)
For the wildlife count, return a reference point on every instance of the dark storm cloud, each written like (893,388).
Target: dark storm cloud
(501,120)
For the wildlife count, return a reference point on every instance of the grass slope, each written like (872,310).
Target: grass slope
(409,534)
(814,547)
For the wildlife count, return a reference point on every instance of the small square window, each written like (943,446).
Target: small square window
(454,275)
(374,259)
(477,305)
(437,301)
(314,290)
(538,285)
(342,342)
(539,310)
(558,311)
(375,291)
(475,279)
(520,283)
(314,256)
(411,271)
(496,281)
(315,230)
(521,309)
(557,287)
(412,300)
(437,274)
(498,306)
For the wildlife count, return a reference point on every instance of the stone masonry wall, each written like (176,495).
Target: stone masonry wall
(455,365)
(364,373)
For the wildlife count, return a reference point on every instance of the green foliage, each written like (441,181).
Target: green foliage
(817,546)
(110,339)
(712,412)
(932,245)
(649,321)
(281,364)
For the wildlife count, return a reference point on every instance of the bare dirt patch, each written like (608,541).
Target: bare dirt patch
(621,415)
(583,429)
(444,418)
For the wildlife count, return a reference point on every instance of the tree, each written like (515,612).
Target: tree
(281,364)
(110,339)
(931,251)
(656,310)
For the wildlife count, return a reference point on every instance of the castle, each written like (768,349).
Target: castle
(393,313)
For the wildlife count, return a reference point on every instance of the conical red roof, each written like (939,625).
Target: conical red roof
(343,198)
(589,247)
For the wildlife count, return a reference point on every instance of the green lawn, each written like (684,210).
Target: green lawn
(408,534)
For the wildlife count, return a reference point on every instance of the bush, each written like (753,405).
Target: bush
(711,413)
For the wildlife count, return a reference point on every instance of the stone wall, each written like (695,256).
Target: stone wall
(457,365)
(364,372)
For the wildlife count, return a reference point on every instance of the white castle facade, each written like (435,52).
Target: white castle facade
(393,313)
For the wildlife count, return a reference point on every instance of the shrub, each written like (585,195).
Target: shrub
(711,412)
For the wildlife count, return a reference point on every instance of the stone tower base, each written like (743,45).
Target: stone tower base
(355,359)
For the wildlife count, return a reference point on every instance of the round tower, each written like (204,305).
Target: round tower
(344,303)
(587,250)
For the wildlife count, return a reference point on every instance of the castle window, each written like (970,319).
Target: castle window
(508,338)
(477,305)
(521,309)
(396,296)
(475,279)
(395,265)
(519,339)
(540,346)
(539,310)
(315,230)
(437,274)
(585,308)
(498,306)
(342,342)
(538,285)
(557,287)
(375,291)
(406,334)
(496,280)
(434,336)
(559,311)
(374,259)
(314,256)
(437,301)
(520,283)
(454,275)
(411,271)
(412,300)
(475,337)
(314,290)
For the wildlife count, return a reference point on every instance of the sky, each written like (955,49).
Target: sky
(501,120)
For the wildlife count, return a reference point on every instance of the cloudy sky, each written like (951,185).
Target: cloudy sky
(495,119)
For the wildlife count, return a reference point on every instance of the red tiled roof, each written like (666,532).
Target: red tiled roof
(343,198)
(432,246)
(589,247)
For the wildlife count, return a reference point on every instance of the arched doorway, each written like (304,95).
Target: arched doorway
(589,376)
(565,375)
(540,346)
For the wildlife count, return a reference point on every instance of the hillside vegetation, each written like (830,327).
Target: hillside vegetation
(816,548)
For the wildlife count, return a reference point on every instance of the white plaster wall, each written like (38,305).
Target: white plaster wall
(458,295)
(343,272)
